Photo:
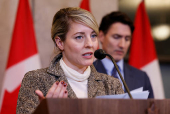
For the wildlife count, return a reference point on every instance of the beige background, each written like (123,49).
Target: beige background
(43,12)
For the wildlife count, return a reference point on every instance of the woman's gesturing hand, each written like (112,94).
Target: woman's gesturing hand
(58,90)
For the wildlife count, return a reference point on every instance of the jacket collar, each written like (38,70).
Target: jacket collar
(93,84)
(55,70)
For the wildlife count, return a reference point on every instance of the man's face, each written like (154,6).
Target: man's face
(117,40)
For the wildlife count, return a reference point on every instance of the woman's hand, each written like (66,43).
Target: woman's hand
(58,90)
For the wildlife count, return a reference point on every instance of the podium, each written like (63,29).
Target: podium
(100,106)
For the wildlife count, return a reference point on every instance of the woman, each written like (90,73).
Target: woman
(71,73)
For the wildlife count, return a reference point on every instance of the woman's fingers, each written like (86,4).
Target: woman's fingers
(52,89)
(40,95)
(62,91)
(65,94)
(59,90)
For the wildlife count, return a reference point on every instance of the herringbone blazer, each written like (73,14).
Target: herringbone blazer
(43,79)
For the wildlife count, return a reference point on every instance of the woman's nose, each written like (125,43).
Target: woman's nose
(88,42)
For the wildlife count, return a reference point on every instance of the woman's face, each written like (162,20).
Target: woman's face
(79,47)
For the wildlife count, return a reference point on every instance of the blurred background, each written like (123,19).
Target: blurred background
(44,10)
(159,15)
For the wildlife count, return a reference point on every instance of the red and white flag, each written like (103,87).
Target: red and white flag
(23,57)
(142,52)
(85,5)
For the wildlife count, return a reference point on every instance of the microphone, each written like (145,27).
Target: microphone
(100,54)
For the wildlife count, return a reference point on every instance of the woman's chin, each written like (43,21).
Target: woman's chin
(88,63)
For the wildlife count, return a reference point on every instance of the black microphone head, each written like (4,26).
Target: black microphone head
(100,54)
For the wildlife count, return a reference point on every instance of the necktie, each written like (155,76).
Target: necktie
(114,72)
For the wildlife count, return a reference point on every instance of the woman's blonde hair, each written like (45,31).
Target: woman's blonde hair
(63,18)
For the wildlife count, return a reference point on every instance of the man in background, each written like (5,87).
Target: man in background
(115,36)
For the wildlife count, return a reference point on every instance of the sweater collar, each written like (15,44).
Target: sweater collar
(55,68)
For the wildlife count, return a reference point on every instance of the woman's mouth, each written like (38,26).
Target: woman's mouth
(88,55)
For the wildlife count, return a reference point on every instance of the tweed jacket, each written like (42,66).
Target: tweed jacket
(43,79)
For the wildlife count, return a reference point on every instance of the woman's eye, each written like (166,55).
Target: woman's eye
(93,35)
(79,37)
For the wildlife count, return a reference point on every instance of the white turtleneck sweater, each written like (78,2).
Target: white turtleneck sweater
(77,81)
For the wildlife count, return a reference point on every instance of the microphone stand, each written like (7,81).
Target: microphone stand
(120,76)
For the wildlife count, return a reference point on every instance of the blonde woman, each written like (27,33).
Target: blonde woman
(71,73)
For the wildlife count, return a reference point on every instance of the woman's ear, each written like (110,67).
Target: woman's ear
(59,43)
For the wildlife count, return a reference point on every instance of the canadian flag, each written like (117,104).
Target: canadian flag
(23,57)
(142,52)
(85,5)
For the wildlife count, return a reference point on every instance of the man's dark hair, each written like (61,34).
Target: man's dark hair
(114,17)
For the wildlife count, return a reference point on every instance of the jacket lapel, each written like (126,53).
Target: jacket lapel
(71,93)
(56,70)
(93,85)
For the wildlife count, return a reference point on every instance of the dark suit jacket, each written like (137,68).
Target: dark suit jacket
(43,79)
(134,78)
